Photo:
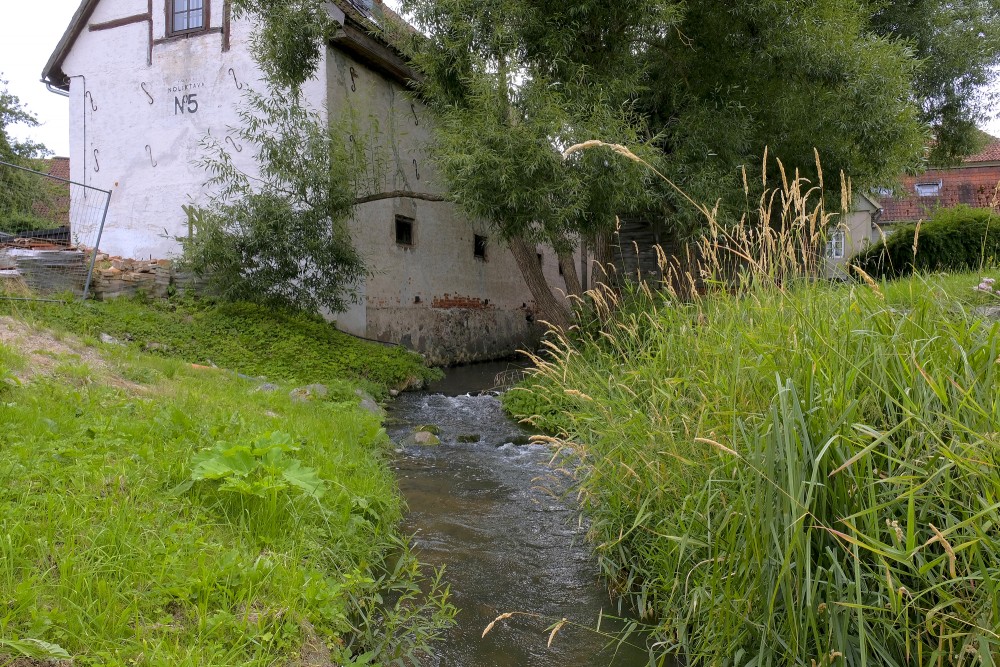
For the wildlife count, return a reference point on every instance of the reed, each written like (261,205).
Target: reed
(780,471)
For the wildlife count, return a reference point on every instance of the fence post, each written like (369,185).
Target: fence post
(94,250)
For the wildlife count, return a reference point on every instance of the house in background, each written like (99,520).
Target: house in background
(974,182)
(148,79)
(851,234)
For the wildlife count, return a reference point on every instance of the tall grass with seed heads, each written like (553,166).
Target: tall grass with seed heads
(787,472)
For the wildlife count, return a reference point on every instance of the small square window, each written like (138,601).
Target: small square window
(404,231)
(185,16)
(479,247)
(928,189)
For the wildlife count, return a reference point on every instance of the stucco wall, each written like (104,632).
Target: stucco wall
(135,127)
(139,110)
(434,296)
(860,231)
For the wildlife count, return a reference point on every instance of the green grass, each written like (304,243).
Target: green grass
(762,471)
(280,346)
(152,513)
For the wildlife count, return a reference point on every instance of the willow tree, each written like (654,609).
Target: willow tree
(956,44)
(793,77)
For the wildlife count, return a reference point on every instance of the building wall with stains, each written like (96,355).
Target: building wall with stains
(141,103)
(432,294)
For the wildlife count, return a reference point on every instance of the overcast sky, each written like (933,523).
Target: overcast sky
(29,33)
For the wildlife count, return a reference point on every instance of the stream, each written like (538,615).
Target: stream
(480,509)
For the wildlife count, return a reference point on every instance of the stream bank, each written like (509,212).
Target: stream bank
(486,505)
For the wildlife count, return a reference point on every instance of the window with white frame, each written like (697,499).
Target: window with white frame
(928,189)
(184,16)
(836,244)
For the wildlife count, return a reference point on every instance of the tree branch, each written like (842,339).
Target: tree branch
(399,194)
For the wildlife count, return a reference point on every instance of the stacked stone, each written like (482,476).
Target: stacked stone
(117,276)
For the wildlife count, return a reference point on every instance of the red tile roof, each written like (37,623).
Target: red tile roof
(58,167)
(975,182)
(989,154)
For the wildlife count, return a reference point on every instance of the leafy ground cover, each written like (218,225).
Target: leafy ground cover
(806,476)
(156,513)
(278,345)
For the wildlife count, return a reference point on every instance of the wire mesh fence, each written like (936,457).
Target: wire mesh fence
(50,230)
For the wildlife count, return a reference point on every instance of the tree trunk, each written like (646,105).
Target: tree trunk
(603,257)
(550,308)
(573,287)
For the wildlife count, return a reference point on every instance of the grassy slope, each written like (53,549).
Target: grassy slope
(109,548)
(733,553)
(243,338)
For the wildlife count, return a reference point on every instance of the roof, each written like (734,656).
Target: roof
(991,153)
(358,36)
(53,68)
(58,167)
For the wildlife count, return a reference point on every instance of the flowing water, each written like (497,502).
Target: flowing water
(485,510)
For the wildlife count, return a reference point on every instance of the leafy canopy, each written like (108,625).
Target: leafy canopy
(17,190)
(956,44)
(793,77)
(513,83)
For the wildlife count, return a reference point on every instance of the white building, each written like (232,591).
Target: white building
(148,79)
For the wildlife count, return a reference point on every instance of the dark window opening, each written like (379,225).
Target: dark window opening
(540,258)
(404,230)
(479,247)
(184,16)
(560,268)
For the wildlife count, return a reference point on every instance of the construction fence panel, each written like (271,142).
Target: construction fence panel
(50,232)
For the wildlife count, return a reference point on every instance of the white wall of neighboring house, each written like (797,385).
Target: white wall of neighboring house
(139,109)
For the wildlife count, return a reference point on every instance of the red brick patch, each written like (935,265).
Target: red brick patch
(450,301)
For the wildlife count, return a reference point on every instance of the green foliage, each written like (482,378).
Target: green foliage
(18,190)
(285,42)
(954,239)
(13,112)
(956,45)
(795,77)
(20,223)
(285,551)
(279,238)
(792,478)
(278,345)
(509,94)
(35,649)
(262,469)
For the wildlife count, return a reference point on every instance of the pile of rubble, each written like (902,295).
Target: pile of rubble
(118,276)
